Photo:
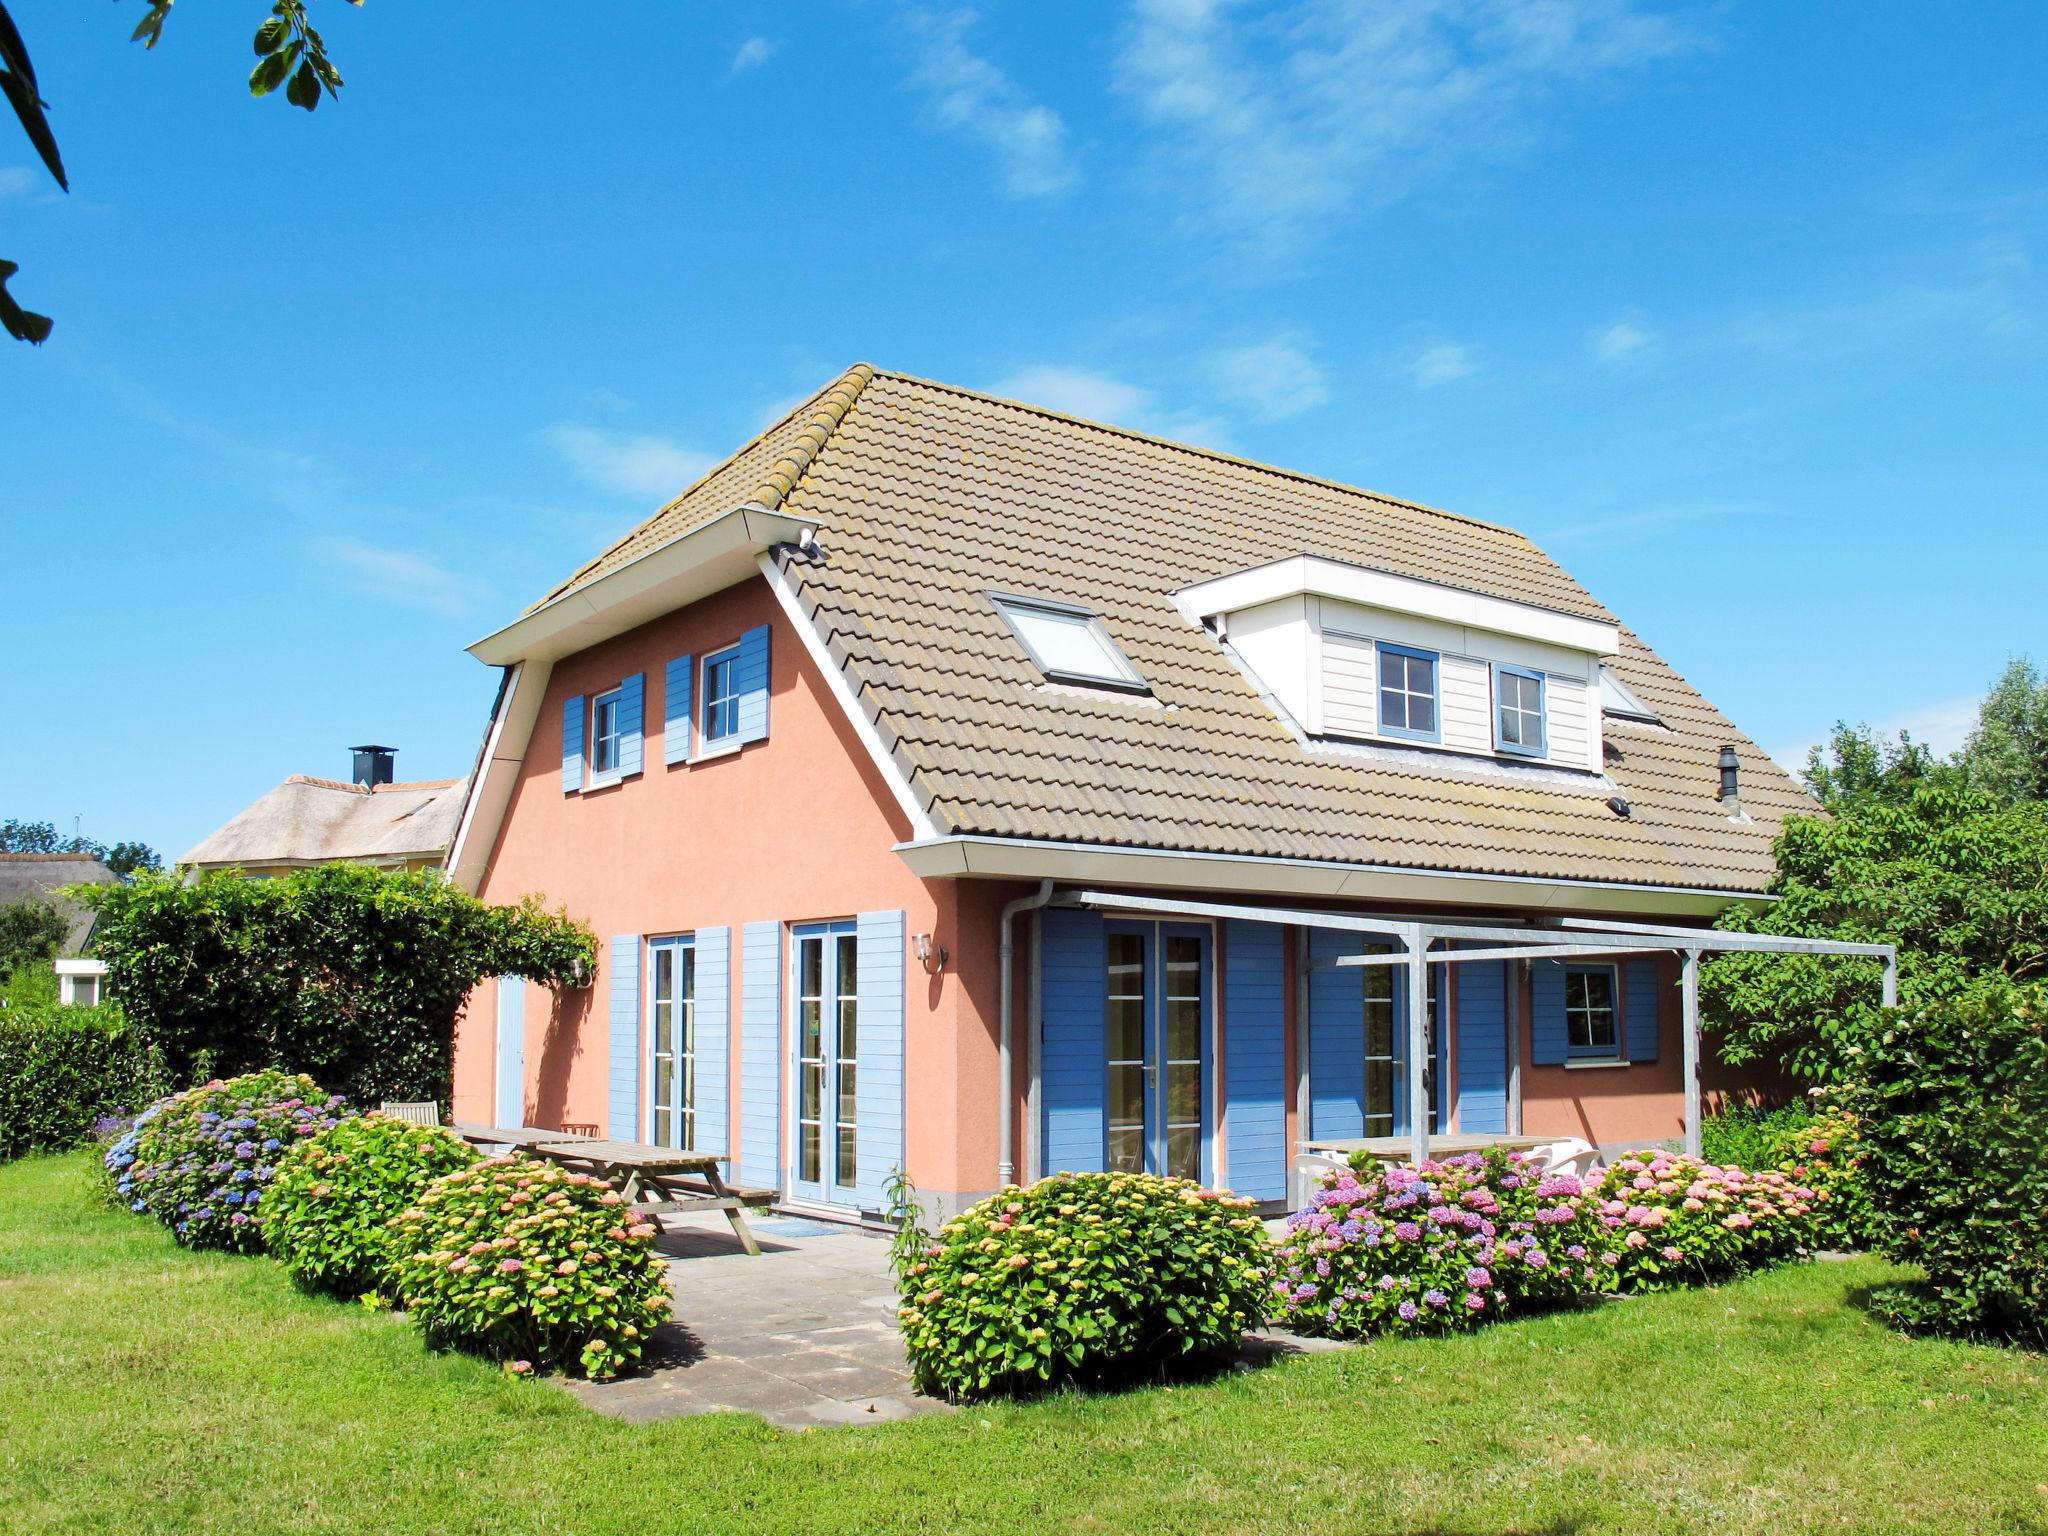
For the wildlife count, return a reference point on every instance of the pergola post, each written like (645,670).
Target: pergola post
(1891,980)
(1689,1014)
(1418,1044)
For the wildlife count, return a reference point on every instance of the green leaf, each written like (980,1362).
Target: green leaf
(268,76)
(272,36)
(304,89)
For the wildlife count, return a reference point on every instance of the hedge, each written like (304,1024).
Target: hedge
(63,1069)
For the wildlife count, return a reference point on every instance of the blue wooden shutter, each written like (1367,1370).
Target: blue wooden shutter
(1547,1036)
(750,679)
(1640,993)
(1073,1066)
(714,1028)
(878,1043)
(1482,1047)
(624,1103)
(761,1054)
(675,709)
(632,723)
(1255,1058)
(1336,1035)
(572,744)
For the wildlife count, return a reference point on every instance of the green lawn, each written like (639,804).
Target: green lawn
(147,1389)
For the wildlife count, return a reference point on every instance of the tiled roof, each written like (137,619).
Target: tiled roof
(309,821)
(40,876)
(926,497)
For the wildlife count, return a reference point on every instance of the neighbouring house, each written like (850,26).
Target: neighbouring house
(961,787)
(366,820)
(81,979)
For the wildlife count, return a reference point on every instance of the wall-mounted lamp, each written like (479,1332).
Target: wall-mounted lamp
(922,943)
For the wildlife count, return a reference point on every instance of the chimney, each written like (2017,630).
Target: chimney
(373,765)
(1730,770)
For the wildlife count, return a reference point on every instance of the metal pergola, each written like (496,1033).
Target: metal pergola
(1420,943)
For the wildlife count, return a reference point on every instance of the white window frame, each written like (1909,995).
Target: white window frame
(1122,678)
(708,745)
(1596,1055)
(597,774)
(1541,749)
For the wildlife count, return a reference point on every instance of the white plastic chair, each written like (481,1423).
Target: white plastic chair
(1571,1155)
(1309,1169)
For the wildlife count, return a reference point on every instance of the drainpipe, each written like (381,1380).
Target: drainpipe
(1006,1168)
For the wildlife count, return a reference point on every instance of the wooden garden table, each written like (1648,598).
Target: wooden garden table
(1398,1149)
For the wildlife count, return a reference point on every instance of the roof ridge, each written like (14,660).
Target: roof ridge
(32,857)
(1195,448)
(833,405)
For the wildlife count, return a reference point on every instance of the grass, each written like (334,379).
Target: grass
(145,1388)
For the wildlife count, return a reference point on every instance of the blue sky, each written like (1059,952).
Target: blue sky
(1737,309)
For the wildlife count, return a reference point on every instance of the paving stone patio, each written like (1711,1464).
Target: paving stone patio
(805,1335)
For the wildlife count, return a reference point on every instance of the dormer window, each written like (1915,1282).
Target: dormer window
(1518,711)
(1408,693)
(1068,644)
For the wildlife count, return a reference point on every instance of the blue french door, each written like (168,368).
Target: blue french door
(825,1048)
(1157,1015)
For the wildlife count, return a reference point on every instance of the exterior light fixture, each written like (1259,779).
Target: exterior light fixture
(922,944)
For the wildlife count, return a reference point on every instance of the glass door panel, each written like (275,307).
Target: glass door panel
(827,1065)
(1155,1028)
(1126,1020)
(672,1043)
(1181,1048)
(661,1003)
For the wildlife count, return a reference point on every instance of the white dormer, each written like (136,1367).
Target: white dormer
(1352,654)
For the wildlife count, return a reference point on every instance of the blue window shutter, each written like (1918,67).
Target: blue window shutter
(1482,1047)
(1336,1035)
(675,709)
(1255,1058)
(878,1043)
(572,744)
(761,1055)
(750,677)
(1073,1067)
(1546,1013)
(1640,997)
(624,1104)
(714,1029)
(632,723)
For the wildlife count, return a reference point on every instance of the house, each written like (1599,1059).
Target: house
(961,787)
(366,820)
(42,877)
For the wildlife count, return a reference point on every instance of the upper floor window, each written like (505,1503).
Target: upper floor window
(1408,692)
(1518,711)
(605,732)
(1591,1030)
(721,696)
(1068,644)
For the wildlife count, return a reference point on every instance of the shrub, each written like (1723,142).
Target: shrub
(1081,1273)
(63,1069)
(327,1209)
(353,975)
(1952,1111)
(1748,1136)
(1674,1220)
(200,1161)
(1403,1250)
(1824,1153)
(528,1263)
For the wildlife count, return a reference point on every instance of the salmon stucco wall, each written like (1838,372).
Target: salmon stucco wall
(1638,1103)
(797,828)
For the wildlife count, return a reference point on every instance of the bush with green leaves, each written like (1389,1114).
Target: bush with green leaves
(1952,1113)
(527,1263)
(1824,1154)
(1749,1135)
(327,1210)
(202,1161)
(351,974)
(62,1070)
(1081,1274)
(1672,1219)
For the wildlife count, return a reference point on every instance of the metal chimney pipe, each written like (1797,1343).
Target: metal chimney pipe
(1731,768)
(373,765)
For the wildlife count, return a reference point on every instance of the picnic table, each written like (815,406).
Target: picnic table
(654,1181)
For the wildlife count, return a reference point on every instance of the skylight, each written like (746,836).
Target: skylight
(1068,644)
(1615,699)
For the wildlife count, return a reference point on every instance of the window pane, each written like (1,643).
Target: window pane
(1127,1150)
(1421,713)
(1393,709)
(1066,642)
(1126,1029)
(1184,1152)
(1379,1095)
(811,967)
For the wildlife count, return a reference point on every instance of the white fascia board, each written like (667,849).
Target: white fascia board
(497,773)
(1317,576)
(921,827)
(78,965)
(709,558)
(1031,859)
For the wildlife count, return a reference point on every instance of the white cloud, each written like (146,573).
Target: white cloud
(17,181)
(968,93)
(398,576)
(753,53)
(1621,341)
(1113,402)
(1275,378)
(1941,725)
(1293,115)
(1444,363)
(634,464)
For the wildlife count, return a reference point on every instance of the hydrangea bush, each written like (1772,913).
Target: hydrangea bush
(201,1161)
(326,1211)
(528,1263)
(1448,1245)
(1673,1219)
(1081,1273)
(1823,1155)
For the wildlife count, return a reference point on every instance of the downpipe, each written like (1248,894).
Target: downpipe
(1006,1167)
